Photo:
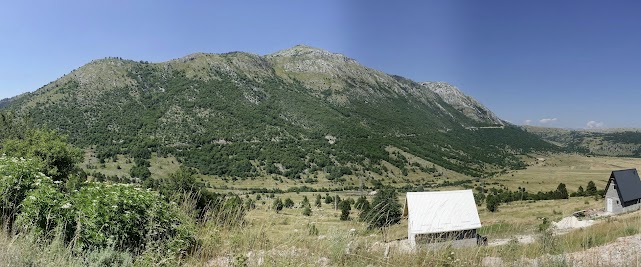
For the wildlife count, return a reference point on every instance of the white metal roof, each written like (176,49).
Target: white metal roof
(443,211)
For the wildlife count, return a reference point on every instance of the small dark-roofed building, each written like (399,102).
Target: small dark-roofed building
(623,192)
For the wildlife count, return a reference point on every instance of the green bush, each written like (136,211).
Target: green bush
(17,177)
(100,215)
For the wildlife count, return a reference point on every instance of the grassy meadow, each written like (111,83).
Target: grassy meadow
(289,238)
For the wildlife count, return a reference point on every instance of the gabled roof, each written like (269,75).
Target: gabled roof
(628,184)
(444,211)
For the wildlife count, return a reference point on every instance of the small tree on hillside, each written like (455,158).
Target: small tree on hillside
(345,207)
(562,192)
(362,204)
(289,203)
(307,211)
(492,203)
(318,201)
(591,189)
(580,192)
(305,202)
(329,199)
(278,205)
(384,210)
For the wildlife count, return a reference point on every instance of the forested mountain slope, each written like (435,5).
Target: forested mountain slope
(293,112)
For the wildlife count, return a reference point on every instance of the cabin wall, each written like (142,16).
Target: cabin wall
(612,195)
(631,206)
(457,239)
(617,205)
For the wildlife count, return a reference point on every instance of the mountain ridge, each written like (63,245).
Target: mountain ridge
(267,110)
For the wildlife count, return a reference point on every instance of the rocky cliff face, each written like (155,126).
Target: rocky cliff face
(463,103)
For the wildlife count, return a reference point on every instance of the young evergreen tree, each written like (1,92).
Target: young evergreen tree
(345,207)
(305,202)
(289,203)
(580,192)
(318,201)
(591,189)
(362,204)
(307,211)
(278,205)
(384,210)
(561,192)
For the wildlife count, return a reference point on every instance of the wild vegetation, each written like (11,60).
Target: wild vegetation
(216,159)
(240,115)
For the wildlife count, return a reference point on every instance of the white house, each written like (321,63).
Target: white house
(449,216)
(623,192)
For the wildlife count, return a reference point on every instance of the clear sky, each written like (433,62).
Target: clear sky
(556,63)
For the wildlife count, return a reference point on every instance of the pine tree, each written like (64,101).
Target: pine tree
(384,210)
(346,207)
(591,189)
(289,203)
(492,203)
(305,202)
(307,211)
(318,201)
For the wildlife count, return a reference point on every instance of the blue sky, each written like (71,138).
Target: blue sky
(552,63)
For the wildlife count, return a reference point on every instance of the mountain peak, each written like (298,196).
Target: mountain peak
(307,52)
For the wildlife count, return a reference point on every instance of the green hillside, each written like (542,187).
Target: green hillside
(292,113)
(599,142)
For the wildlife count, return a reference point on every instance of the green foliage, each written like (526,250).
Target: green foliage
(277,205)
(234,125)
(561,191)
(492,203)
(328,199)
(384,210)
(307,211)
(140,172)
(58,158)
(289,203)
(100,215)
(362,204)
(345,207)
(591,189)
(17,178)
(318,201)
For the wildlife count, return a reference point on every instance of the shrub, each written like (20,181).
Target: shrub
(307,211)
(98,216)
(58,159)
(289,203)
(17,177)
(277,205)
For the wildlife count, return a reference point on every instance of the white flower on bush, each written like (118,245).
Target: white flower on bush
(32,197)
(66,206)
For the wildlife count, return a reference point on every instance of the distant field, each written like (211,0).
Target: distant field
(573,170)
(543,174)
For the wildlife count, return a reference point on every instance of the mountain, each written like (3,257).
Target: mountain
(463,103)
(600,142)
(293,113)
